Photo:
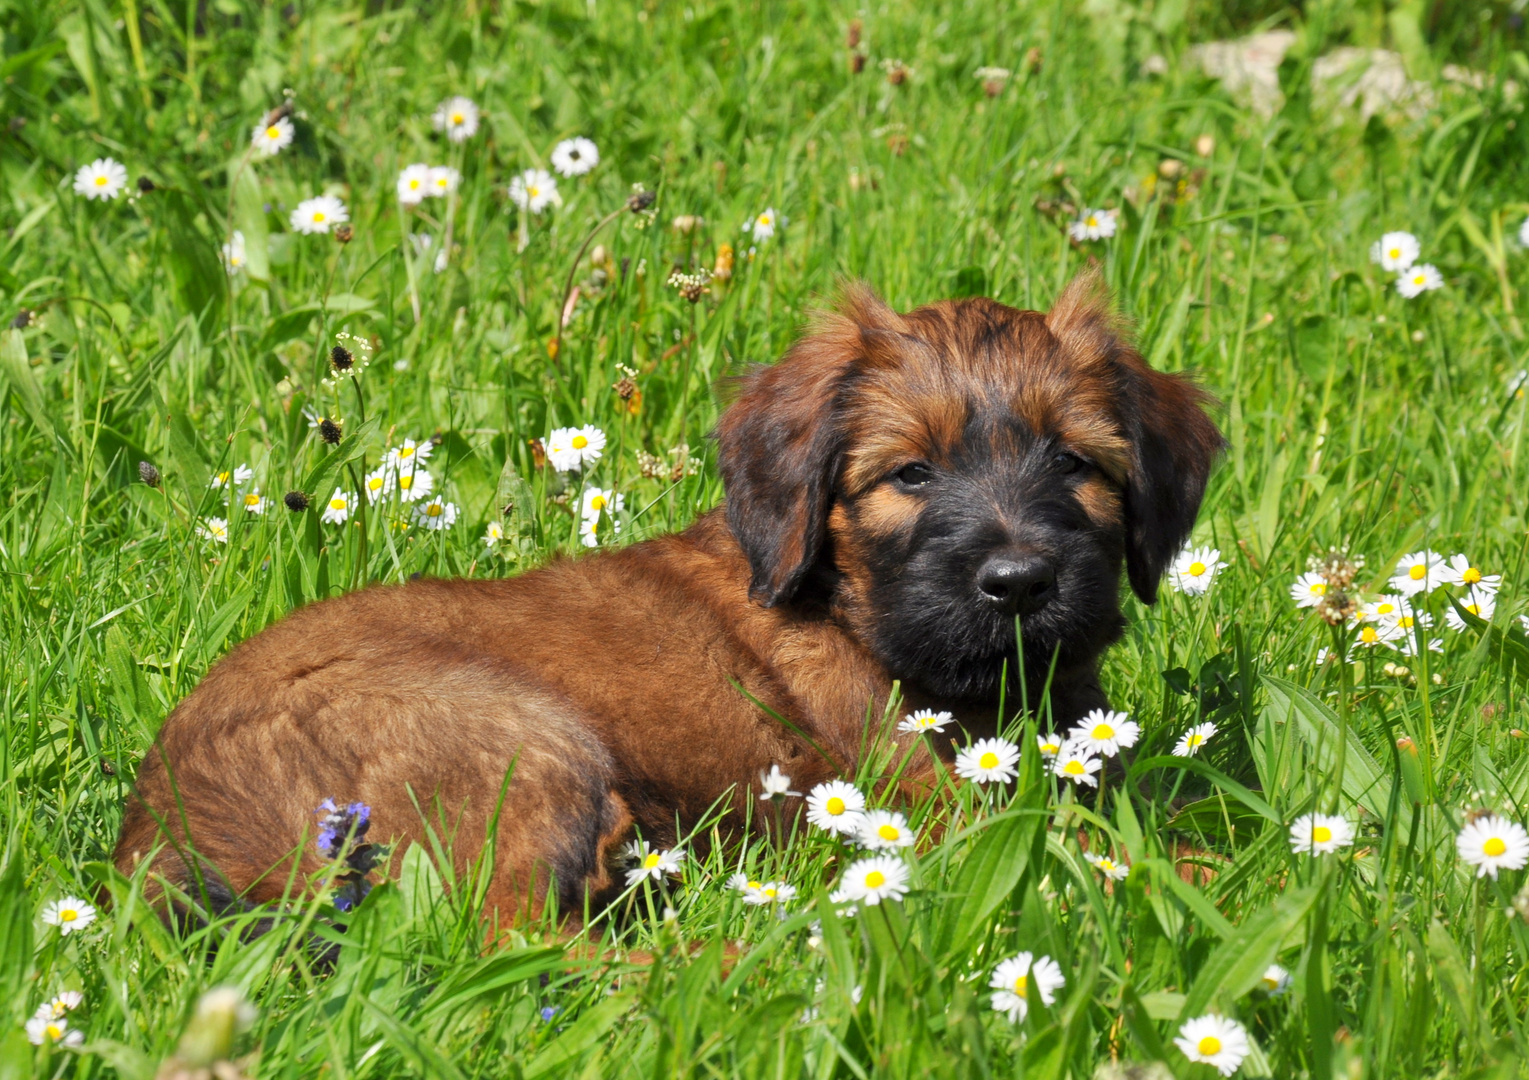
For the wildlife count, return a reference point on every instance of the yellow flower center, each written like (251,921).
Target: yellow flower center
(318,217)
(374,482)
(835,806)
(1318,588)
(580,442)
(1384,609)
(1103,731)
(1021,985)
(988,760)
(1395,253)
(888,832)
(1405,622)
(337,504)
(55,1032)
(1049,748)
(1418,572)
(223,477)
(1209,1046)
(101,181)
(457,118)
(1474,609)
(1106,864)
(1368,635)
(1471,575)
(1494,846)
(650,861)
(1270,984)
(413,185)
(406,452)
(1073,768)
(597,503)
(1196,740)
(1091,221)
(764,219)
(273,132)
(753,885)
(1418,279)
(1196,569)
(434,510)
(769,892)
(1321,834)
(406,482)
(534,191)
(875,879)
(68,914)
(252,499)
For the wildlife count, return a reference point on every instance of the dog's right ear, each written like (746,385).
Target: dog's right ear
(781,444)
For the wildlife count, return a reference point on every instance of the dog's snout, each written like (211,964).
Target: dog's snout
(1017,586)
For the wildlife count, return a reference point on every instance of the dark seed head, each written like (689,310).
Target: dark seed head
(329,431)
(145,185)
(344,233)
(148,474)
(640,200)
(296,501)
(341,357)
(625,387)
(22,320)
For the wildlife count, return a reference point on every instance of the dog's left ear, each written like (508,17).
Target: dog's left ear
(780,444)
(1173,441)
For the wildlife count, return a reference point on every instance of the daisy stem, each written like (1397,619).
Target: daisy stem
(573,270)
(1345,683)
(408,266)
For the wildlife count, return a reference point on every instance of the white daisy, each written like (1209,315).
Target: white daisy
(534,190)
(1275,981)
(1192,740)
(64,1002)
(1419,279)
(925,720)
(598,500)
(1115,871)
(378,483)
(741,882)
(403,457)
(775,783)
(493,534)
(1493,843)
(1458,571)
(1395,251)
(271,139)
(48,1029)
(68,914)
(1018,977)
(1478,602)
(337,509)
(413,184)
(1075,763)
(1214,1040)
(593,530)
(870,881)
(239,475)
(575,157)
(1320,834)
(1050,744)
(1523,233)
(1386,609)
(1407,645)
(233,253)
(103,178)
(988,761)
(443,181)
(1106,733)
(883,830)
(1194,570)
(318,215)
(458,118)
(770,892)
(764,225)
(836,806)
(1420,572)
(414,484)
(1308,589)
(572,448)
(214,529)
(652,864)
(436,514)
(1093,225)
(253,502)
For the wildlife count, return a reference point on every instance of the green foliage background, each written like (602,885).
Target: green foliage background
(1355,418)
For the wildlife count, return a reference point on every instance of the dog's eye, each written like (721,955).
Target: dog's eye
(1067,463)
(916,474)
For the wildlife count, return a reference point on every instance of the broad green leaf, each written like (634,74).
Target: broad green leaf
(987,876)
(18,372)
(1242,958)
(15,935)
(1363,781)
(591,1026)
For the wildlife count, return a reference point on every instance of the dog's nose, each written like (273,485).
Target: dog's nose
(1017,586)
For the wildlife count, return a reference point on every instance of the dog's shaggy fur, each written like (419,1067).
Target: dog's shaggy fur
(900,489)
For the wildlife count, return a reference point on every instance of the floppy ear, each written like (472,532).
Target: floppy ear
(1173,441)
(780,446)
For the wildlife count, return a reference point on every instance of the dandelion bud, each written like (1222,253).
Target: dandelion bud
(344,233)
(22,320)
(295,501)
(640,199)
(148,474)
(341,358)
(329,431)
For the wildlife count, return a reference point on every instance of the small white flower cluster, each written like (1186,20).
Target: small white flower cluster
(241,493)
(49,1024)
(1014,980)
(597,505)
(762,893)
(1094,225)
(418,182)
(534,190)
(233,253)
(648,863)
(1079,757)
(1397,253)
(1195,569)
(764,225)
(402,473)
(569,448)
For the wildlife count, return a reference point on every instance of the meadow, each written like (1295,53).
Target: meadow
(205,373)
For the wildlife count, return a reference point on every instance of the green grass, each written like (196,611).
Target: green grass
(1355,418)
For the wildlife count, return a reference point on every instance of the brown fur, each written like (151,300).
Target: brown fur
(610,683)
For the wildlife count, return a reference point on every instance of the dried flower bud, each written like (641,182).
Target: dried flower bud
(625,387)
(723,268)
(640,199)
(329,431)
(280,112)
(691,286)
(856,63)
(1205,145)
(344,232)
(148,474)
(538,452)
(852,38)
(296,501)
(1169,168)
(341,358)
(145,185)
(1033,59)
(897,72)
(22,320)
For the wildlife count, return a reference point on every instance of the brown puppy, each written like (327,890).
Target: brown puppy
(901,489)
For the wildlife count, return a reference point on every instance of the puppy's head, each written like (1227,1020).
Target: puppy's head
(948,471)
